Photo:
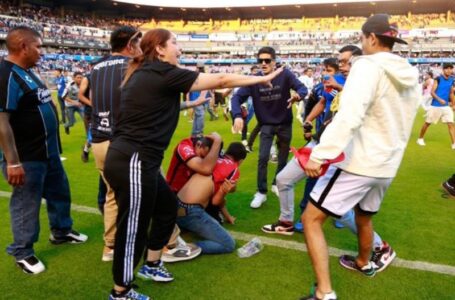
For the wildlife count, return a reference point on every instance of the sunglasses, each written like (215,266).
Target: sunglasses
(264,60)
(135,37)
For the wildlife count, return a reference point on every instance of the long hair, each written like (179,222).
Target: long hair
(149,42)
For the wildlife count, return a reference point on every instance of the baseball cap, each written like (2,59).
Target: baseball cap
(380,26)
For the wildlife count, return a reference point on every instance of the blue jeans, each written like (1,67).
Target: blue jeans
(218,240)
(70,111)
(43,179)
(198,121)
(284,136)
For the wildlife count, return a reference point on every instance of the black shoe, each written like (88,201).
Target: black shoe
(31,265)
(67,130)
(448,188)
(72,237)
(84,156)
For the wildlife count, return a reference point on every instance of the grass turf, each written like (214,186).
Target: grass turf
(415,218)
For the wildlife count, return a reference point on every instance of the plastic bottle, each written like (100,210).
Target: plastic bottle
(251,248)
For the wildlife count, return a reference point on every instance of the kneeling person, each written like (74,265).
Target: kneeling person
(200,190)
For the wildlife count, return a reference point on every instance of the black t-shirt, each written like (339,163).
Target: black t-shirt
(105,80)
(33,116)
(150,109)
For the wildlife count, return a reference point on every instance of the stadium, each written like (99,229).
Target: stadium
(416,216)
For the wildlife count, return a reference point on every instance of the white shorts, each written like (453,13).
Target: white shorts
(338,191)
(435,113)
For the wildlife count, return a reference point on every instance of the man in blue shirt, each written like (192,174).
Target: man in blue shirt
(442,104)
(30,142)
(272,106)
(61,85)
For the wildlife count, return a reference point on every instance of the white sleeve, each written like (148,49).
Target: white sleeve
(357,95)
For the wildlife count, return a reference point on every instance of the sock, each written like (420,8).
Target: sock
(153,264)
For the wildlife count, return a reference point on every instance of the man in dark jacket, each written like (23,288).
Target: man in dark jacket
(272,106)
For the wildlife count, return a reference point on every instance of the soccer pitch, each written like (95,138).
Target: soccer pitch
(415,219)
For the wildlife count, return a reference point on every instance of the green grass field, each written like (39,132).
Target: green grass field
(415,219)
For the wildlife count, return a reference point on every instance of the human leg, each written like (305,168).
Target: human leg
(313,219)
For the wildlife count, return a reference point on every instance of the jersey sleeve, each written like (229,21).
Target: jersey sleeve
(10,92)
(185,151)
(181,79)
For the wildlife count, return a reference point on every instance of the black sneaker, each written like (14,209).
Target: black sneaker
(67,130)
(128,295)
(84,156)
(312,296)
(382,256)
(72,237)
(448,188)
(31,265)
(349,262)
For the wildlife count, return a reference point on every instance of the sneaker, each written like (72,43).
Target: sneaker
(67,130)
(158,273)
(273,158)
(108,254)
(31,265)
(130,295)
(382,256)
(338,224)
(285,228)
(421,142)
(312,296)
(349,262)
(258,199)
(298,227)
(453,146)
(72,237)
(448,188)
(181,252)
(84,156)
(248,149)
(274,190)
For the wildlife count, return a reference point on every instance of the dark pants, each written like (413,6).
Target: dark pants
(61,103)
(253,135)
(284,136)
(143,196)
(309,185)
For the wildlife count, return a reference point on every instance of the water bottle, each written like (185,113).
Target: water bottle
(251,248)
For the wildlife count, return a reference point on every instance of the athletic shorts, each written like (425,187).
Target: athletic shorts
(435,113)
(338,191)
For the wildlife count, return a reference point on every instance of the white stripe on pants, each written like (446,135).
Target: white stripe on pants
(133,216)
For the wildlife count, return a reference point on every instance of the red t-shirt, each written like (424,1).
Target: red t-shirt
(178,173)
(225,169)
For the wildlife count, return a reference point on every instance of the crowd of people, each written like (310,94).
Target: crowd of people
(131,117)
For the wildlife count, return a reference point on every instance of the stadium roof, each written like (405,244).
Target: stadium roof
(236,3)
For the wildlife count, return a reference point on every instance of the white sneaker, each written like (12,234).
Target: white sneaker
(108,254)
(421,142)
(275,190)
(453,146)
(182,251)
(31,265)
(258,199)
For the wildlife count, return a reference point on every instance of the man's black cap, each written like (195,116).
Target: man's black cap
(380,26)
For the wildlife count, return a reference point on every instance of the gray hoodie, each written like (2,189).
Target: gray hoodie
(377,109)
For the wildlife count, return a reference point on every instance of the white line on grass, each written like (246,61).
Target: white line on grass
(398,262)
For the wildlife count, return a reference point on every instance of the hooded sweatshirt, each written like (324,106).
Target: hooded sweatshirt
(377,110)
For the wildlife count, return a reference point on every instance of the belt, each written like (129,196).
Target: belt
(183,207)
(187,205)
